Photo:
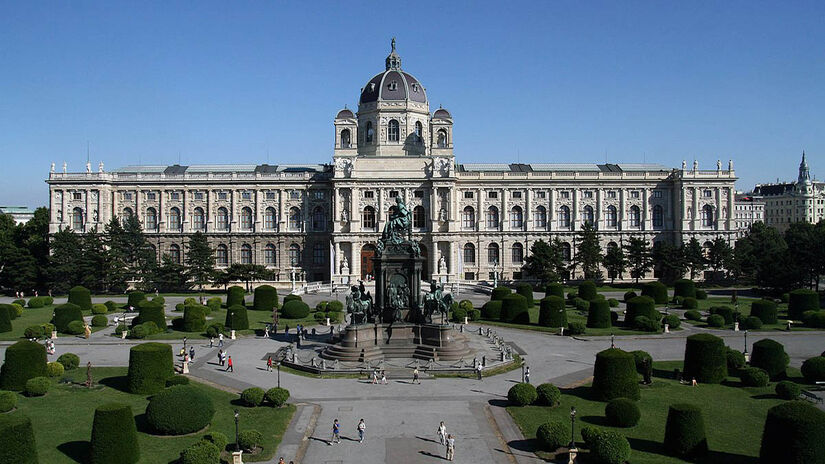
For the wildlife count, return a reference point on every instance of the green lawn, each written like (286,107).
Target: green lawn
(745,309)
(734,416)
(63,419)
(572,316)
(37,316)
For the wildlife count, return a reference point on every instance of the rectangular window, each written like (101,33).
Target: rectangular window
(246,195)
(318,194)
(369,194)
(588,194)
(174,195)
(634,194)
(295,194)
(127,196)
(516,194)
(611,194)
(198,195)
(77,195)
(393,193)
(541,194)
(150,195)
(223,195)
(657,194)
(707,193)
(469,276)
(492,194)
(468,194)
(270,195)
(318,255)
(564,194)
(419,194)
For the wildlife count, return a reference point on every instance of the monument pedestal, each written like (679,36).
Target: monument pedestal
(368,342)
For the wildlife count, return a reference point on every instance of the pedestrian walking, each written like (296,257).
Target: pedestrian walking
(220,357)
(269,363)
(384,377)
(478,371)
(281,461)
(220,340)
(211,342)
(229,367)
(266,331)
(336,432)
(374,376)
(415,376)
(191,353)
(442,433)
(361,428)
(450,447)
(527,375)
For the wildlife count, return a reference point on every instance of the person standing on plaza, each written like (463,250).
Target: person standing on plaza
(191,353)
(442,433)
(229,367)
(450,447)
(211,342)
(269,363)
(527,375)
(266,331)
(415,376)
(384,377)
(220,340)
(362,427)
(374,376)
(336,432)
(220,357)
(478,371)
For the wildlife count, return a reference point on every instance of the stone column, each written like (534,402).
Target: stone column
(281,210)
(623,209)
(336,261)
(551,209)
(504,217)
(355,265)
(574,211)
(646,221)
(480,213)
(528,203)
(451,261)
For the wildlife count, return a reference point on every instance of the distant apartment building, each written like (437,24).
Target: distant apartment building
(748,209)
(789,202)
(21,214)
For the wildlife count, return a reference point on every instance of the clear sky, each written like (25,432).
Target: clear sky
(547,81)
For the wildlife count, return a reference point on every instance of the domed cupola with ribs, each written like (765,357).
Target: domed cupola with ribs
(393,84)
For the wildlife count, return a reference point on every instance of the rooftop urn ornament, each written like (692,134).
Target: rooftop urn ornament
(51,169)
(100,167)
(695,165)
(730,165)
(718,165)
(64,167)
(88,166)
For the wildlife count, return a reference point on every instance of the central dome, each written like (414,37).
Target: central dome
(393,84)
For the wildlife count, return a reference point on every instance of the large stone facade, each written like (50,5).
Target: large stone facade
(789,202)
(321,222)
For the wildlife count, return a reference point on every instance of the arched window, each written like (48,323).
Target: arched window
(246,254)
(77,219)
(393,134)
(174,219)
(294,218)
(270,255)
(658,217)
(345,139)
(517,253)
(612,216)
(492,253)
(174,253)
(198,220)
(419,132)
(706,248)
(151,219)
(469,253)
(222,219)
(441,140)
(318,219)
(270,219)
(707,216)
(468,218)
(587,215)
(565,251)
(246,218)
(318,253)
(370,132)
(540,217)
(635,216)
(294,254)
(516,218)
(125,215)
(368,218)
(564,217)
(222,256)
(419,217)
(492,217)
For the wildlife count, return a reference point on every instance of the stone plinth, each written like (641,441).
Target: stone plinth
(369,342)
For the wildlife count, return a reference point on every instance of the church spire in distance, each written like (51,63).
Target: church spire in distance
(393,59)
(804,171)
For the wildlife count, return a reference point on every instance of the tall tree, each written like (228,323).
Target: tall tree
(669,261)
(170,276)
(35,238)
(614,262)
(639,258)
(200,260)
(64,261)
(802,239)
(719,254)
(694,257)
(92,261)
(588,252)
(544,261)
(117,272)
(246,273)
(762,258)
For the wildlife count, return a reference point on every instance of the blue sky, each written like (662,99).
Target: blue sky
(210,82)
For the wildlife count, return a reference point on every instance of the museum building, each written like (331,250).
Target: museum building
(321,222)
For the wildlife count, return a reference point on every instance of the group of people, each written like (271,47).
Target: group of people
(336,431)
(220,341)
(446,440)
(225,360)
(375,377)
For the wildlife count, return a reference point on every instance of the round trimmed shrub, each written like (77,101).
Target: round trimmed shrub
(216,438)
(36,302)
(581,305)
(144,330)
(613,303)
(526,290)
(111,306)
(64,314)
(75,328)
(813,369)
(5,318)
(614,375)
(735,360)
(81,296)
(606,446)
(554,289)
(215,329)
(100,321)
(765,310)
(491,310)
(37,386)
(701,295)
(522,394)
(99,308)
(814,319)
(655,290)
(194,318)
(693,315)
(753,377)
(622,412)
(277,396)
(149,311)
(15,310)
(646,324)
(265,299)
(641,306)
(716,321)
(292,297)
(514,309)
(672,321)
(552,435)
(55,369)
(69,360)
(214,303)
(751,323)
(17,444)
(794,433)
(706,358)
(801,300)
(20,302)
(685,431)
(690,303)
(474,314)
(179,410)
(599,314)
(548,395)
(249,439)
(8,400)
(684,288)
(237,319)
(295,309)
(552,312)
(134,298)
(587,290)
(34,331)
(201,452)
(253,396)
(575,328)
(788,390)
(770,355)
(641,359)
(678,300)
(458,315)
(24,360)
(337,306)
(114,435)
(725,311)
(629,296)
(234,296)
(499,293)
(177,380)
(150,364)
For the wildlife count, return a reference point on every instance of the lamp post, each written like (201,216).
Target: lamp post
(522,370)
(747,356)
(237,433)
(612,341)
(572,427)
(495,273)
(278,364)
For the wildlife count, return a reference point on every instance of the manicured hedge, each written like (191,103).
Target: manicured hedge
(599,314)
(133,298)
(214,303)
(5,318)
(690,303)
(177,380)
(725,311)
(788,390)
(684,288)
(277,396)
(64,314)
(179,410)
(522,394)
(253,396)
(36,302)
(194,318)
(500,292)
(265,299)
(81,296)
(801,300)
(55,369)
(216,438)
(813,369)
(646,324)
(735,360)
(575,328)
(614,375)
(587,290)
(114,435)
(69,360)
(622,412)
(17,444)
(814,319)
(581,305)
(701,295)
(716,321)
(237,318)
(548,394)
(336,306)
(794,433)
(292,297)
(672,321)
(693,315)
(655,290)
(526,290)
(149,311)
(629,295)
(685,431)
(552,435)
(150,364)
(295,309)
(234,296)
(606,446)
(753,377)
(552,312)
(770,355)
(8,400)
(491,310)
(24,360)
(751,323)
(250,439)
(554,289)
(37,386)
(641,306)
(705,358)
(99,308)
(765,310)
(111,306)
(100,321)
(514,309)
(202,452)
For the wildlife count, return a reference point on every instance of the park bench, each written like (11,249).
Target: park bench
(810,397)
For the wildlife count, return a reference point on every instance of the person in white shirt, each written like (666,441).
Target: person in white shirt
(450,448)
(442,433)
(361,428)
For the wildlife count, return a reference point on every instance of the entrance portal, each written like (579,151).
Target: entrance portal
(367,253)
